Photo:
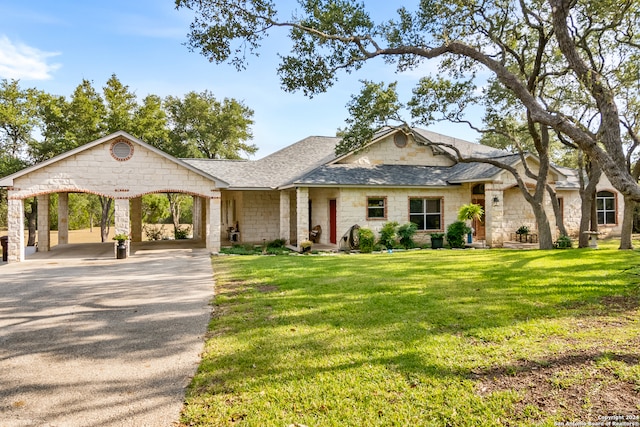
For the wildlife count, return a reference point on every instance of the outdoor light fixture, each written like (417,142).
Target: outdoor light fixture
(496,201)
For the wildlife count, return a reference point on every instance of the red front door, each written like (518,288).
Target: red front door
(333,238)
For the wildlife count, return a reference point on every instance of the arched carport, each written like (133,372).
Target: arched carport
(118,166)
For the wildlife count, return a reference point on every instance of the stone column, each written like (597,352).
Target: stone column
(63,218)
(136,219)
(213,217)
(285,216)
(16,230)
(302,198)
(494,216)
(44,241)
(196,215)
(122,219)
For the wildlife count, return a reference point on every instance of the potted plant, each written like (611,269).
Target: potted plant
(522,231)
(121,248)
(305,245)
(437,240)
(469,213)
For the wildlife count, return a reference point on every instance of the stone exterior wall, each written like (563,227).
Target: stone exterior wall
(352,207)
(97,171)
(259,216)
(386,152)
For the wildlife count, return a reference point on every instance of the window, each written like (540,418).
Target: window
(426,213)
(376,207)
(606,208)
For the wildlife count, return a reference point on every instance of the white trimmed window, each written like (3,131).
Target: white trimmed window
(606,208)
(426,213)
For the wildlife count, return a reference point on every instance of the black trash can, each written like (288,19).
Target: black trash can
(4,240)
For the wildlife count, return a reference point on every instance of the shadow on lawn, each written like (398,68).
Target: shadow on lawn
(352,314)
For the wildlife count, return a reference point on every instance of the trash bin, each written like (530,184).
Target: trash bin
(4,240)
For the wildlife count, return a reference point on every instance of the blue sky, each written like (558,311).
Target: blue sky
(53,45)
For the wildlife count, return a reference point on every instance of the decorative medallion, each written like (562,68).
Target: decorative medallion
(400,139)
(121,150)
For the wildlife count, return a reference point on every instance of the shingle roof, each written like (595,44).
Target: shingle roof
(311,162)
(377,175)
(275,170)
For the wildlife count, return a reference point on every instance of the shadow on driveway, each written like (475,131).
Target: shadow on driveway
(101,342)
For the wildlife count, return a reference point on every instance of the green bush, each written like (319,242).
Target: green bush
(181,233)
(406,233)
(276,244)
(456,233)
(564,242)
(388,234)
(366,240)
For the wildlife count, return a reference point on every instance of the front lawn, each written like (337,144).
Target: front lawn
(429,338)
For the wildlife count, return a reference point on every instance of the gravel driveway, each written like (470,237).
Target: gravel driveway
(101,342)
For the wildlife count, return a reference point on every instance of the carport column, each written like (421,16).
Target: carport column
(196,216)
(136,219)
(44,243)
(16,230)
(494,217)
(285,216)
(63,218)
(122,218)
(302,199)
(213,222)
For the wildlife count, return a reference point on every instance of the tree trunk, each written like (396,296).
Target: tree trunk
(32,220)
(627,224)
(556,211)
(174,207)
(589,217)
(105,219)
(545,238)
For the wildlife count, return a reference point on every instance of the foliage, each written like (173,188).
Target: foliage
(564,242)
(376,355)
(181,233)
(388,234)
(523,229)
(120,237)
(202,126)
(153,232)
(366,240)
(155,209)
(276,244)
(406,233)
(470,211)
(456,233)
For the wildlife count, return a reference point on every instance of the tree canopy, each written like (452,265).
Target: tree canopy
(558,64)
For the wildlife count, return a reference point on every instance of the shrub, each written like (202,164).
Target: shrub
(276,244)
(456,233)
(181,233)
(406,233)
(388,234)
(564,242)
(366,240)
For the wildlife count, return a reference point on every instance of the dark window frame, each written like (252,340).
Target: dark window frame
(370,207)
(428,219)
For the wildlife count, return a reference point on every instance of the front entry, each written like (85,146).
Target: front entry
(478,224)
(333,234)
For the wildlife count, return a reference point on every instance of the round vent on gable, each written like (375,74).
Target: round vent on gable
(121,150)
(400,139)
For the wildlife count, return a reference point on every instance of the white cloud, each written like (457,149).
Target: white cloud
(19,61)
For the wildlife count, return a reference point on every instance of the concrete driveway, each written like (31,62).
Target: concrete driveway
(96,341)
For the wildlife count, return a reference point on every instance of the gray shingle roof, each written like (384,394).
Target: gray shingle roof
(275,170)
(310,162)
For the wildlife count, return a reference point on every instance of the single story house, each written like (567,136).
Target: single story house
(399,176)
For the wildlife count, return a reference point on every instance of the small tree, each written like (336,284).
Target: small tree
(366,240)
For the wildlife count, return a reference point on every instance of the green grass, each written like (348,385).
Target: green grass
(430,338)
